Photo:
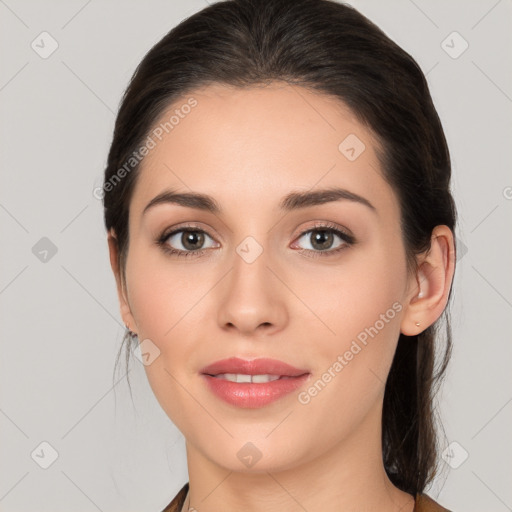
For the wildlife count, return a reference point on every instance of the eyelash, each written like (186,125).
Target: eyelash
(348,240)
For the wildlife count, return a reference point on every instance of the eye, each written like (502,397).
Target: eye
(325,240)
(186,241)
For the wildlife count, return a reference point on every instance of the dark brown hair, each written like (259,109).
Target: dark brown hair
(330,48)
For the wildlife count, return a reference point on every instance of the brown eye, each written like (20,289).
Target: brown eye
(192,240)
(324,240)
(186,240)
(321,239)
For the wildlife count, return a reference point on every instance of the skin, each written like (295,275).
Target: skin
(248,148)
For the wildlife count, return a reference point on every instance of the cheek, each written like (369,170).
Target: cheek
(169,302)
(160,293)
(164,301)
(364,290)
(360,312)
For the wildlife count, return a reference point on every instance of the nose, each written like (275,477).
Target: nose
(253,299)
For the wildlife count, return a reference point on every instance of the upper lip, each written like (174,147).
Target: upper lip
(262,366)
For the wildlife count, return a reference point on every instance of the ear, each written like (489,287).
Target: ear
(430,286)
(126,313)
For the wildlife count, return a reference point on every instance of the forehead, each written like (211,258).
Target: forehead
(250,144)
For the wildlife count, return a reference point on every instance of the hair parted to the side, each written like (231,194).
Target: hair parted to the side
(330,48)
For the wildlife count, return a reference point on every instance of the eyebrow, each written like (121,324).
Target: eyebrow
(292,201)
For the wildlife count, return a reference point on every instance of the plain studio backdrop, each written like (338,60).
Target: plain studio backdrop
(71,438)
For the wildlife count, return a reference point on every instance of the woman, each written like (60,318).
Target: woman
(280,226)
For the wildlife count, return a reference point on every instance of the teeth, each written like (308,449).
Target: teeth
(240,377)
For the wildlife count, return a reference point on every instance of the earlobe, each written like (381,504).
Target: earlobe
(432,285)
(124,306)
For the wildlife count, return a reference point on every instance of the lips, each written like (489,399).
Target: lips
(270,380)
(262,366)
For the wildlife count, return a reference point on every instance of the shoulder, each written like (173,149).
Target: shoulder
(178,500)
(425,503)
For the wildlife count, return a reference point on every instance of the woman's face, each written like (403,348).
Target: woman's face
(269,283)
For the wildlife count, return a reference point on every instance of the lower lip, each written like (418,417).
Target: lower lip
(252,396)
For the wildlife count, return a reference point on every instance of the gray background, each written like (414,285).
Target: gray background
(60,321)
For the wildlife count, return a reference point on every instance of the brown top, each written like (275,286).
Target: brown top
(423,503)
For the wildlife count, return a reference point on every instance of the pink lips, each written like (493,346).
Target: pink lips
(250,394)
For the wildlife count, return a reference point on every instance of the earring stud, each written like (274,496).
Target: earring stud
(130,332)
(417,324)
